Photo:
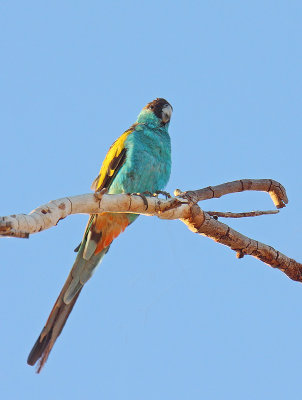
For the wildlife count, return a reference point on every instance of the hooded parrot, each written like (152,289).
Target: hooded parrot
(138,161)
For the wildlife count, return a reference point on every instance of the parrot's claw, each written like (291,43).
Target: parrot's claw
(143,197)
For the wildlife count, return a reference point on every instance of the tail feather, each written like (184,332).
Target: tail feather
(52,329)
(82,275)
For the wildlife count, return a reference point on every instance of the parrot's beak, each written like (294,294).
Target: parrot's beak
(166,114)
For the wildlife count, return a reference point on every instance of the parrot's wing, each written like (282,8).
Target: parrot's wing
(113,162)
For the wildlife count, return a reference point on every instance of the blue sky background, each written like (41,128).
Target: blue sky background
(169,314)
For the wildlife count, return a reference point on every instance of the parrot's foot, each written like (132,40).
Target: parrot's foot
(147,193)
(166,194)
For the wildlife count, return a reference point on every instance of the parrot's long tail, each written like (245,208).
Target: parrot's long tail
(60,313)
(101,230)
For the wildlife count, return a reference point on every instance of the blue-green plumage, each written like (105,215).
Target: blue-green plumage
(148,162)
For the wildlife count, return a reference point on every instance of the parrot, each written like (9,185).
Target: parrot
(139,161)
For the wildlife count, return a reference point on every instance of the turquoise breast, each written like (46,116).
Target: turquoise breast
(148,162)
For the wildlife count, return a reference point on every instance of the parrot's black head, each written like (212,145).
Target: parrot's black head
(161,109)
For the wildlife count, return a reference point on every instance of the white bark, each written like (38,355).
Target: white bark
(48,215)
(182,207)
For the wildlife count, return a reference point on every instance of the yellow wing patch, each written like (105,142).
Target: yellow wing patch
(114,159)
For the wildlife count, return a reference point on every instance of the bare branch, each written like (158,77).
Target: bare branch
(48,215)
(228,214)
(183,207)
(201,223)
(274,188)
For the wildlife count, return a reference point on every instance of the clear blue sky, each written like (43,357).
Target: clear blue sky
(169,314)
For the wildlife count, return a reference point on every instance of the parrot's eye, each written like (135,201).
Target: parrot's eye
(151,107)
